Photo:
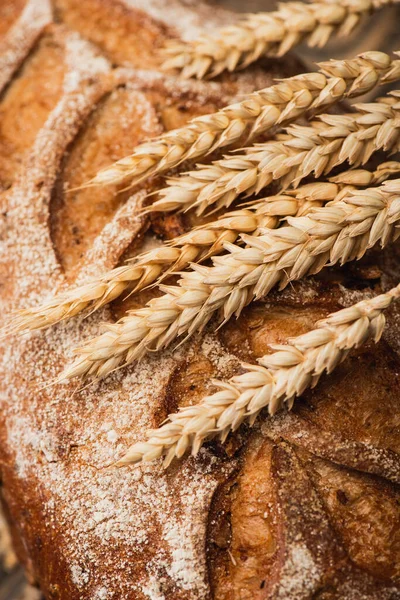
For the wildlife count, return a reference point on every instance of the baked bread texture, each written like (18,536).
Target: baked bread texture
(303,506)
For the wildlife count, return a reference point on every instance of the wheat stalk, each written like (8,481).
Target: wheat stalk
(257,113)
(269,33)
(316,149)
(337,233)
(197,245)
(277,380)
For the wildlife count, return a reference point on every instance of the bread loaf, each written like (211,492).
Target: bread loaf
(305,505)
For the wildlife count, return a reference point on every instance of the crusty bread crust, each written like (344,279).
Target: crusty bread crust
(303,506)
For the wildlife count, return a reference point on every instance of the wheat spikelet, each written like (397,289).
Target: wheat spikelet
(277,380)
(271,34)
(257,113)
(337,233)
(195,246)
(329,141)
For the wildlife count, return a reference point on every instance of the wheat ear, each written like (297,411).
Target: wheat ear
(257,113)
(337,233)
(329,141)
(269,33)
(277,380)
(195,246)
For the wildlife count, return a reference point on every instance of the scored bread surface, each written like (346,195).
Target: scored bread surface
(303,506)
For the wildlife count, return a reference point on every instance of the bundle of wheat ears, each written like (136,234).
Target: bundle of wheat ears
(247,251)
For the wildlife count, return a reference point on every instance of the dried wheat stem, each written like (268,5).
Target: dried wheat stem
(329,141)
(278,379)
(269,33)
(257,113)
(337,233)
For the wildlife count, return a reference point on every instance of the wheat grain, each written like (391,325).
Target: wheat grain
(195,246)
(329,141)
(337,233)
(257,113)
(269,33)
(277,380)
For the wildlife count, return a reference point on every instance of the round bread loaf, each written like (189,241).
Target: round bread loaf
(304,505)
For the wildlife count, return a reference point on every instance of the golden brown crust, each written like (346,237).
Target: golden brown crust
(125,36)
(25,108)
(305,505)
(9,12)
(19,32)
